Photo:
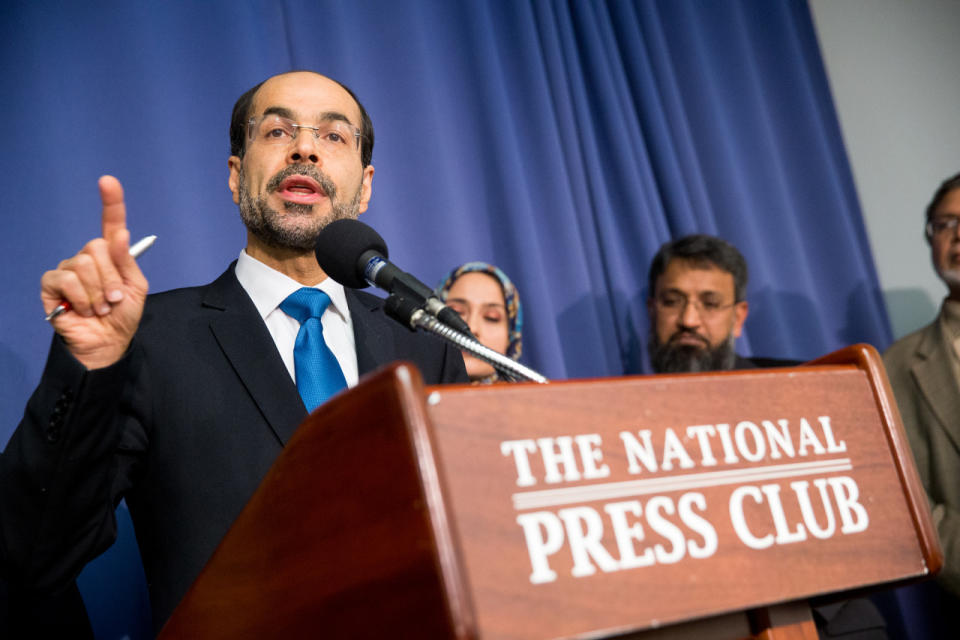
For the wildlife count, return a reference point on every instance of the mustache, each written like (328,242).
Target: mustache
(686,332)
(310,171)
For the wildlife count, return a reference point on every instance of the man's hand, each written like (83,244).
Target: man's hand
(104,286)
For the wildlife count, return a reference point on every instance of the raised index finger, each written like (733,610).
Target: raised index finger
(114,210)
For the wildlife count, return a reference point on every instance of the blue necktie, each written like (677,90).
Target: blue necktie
(318,373)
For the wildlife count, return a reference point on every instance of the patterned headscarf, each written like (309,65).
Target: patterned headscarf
(510,296)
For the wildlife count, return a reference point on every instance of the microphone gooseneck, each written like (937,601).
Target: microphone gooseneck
(412,316)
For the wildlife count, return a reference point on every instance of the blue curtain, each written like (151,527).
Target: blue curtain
(562,141)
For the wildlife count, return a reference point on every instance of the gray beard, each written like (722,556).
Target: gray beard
(272,228)
(682,358)
(950,277)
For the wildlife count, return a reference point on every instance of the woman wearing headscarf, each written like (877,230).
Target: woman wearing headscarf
(488,302)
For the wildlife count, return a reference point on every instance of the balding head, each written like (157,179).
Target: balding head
(244,109)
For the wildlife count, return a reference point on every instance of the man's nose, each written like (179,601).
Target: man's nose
(690,315)
(304,149)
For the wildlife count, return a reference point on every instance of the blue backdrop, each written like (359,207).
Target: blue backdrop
(562,141)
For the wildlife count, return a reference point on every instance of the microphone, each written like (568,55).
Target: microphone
(409,314)
(355,255)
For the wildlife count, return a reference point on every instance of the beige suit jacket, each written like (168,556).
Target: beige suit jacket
(927,393)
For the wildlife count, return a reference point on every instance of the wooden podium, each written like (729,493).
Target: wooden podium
(695,505)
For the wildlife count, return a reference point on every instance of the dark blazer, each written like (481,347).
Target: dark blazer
(50,615)
(184,427)
(764,363)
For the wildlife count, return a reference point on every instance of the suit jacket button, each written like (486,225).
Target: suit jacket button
(64,400)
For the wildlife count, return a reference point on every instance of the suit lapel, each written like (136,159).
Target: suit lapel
(247,344)
(934,375)
(374,341)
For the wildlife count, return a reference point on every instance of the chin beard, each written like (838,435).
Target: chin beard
(297,228)
(683,358)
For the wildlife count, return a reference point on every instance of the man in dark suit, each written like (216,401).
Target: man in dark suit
(181,401)
(924,370)
(697,307)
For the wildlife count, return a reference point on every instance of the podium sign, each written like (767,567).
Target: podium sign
(575,509)
(640,502)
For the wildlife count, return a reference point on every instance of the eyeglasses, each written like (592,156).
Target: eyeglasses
(942,224)
(674,303)
(334,137)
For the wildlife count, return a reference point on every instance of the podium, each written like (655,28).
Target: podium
(692,505)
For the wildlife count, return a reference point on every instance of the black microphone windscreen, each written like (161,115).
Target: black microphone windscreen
(339,247)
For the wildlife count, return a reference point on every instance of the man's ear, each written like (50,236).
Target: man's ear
(366,188)
(740,311)
(235,164)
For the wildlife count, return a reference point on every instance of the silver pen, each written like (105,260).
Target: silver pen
(136,251)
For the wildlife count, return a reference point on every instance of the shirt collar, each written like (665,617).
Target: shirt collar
(267,287)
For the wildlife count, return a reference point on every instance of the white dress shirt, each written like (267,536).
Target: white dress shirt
(268,288)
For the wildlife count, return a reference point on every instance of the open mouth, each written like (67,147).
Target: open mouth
(301,189)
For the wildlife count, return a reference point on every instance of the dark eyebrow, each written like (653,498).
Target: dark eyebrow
(326,116)
(700,294)
(283,112)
